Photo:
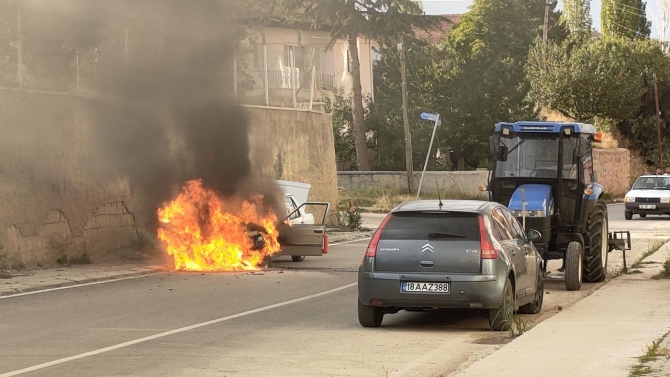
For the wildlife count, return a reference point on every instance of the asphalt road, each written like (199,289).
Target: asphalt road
(298,319)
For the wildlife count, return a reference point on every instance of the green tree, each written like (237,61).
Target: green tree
(625,18)
(485,81)
(340,108)
(385,21)
(577,16)
(601,78)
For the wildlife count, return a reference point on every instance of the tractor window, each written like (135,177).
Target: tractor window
(530,156)
(568,158)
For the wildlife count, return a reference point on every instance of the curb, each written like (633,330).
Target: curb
(355,237)
(86,281)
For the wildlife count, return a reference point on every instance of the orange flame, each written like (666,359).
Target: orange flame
(206,233)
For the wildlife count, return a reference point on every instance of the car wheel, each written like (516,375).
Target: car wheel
(628,215)
(500,319)
(369,316)
(573,266)
(535,306)
(297,258)
(643,215)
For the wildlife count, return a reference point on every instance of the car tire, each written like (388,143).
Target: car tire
(595,261)
(535,306)
(628,215)
(500,318)
(573,266)
(643,215)
(297,258)
(369,316)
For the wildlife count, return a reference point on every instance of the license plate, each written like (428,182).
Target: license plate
(647,206)
(408,286)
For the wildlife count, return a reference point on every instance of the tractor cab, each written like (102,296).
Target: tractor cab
(543,171)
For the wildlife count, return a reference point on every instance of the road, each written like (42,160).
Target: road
(298,319)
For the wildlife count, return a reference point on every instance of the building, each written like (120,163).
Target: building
(437,36)
(294,66)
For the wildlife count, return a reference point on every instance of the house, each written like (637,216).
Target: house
(438,35)
(292,66)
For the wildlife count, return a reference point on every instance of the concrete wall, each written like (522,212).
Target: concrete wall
(466,182)
(295,145)
(611,165)
(51,203)
(613,169)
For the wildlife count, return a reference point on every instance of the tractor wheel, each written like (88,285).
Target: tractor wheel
(573,266)
(628,215)
(595,260)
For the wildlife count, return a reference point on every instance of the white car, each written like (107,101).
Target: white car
(650,195)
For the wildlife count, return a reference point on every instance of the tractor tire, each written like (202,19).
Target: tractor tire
(573,266)
(595,260)
(628,215)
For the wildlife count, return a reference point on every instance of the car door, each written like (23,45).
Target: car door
(304,239)
(527,280)
(515,253)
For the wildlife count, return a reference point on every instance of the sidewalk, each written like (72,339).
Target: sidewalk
(602,335)
(37,279)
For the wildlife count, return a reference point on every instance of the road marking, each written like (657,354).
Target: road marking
(352,241)
(111,280)
(172,332)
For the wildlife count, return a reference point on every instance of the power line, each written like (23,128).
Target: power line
(629,6)
(629,29)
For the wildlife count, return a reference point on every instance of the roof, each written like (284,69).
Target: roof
(548,127)
(473,206)
(437,36)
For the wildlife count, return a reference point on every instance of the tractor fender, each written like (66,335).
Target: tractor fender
(598,191)
(538,197)
(563,239)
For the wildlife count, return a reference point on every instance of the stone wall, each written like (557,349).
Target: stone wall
(54,205)
(466,182)
(613,169)
(611,165)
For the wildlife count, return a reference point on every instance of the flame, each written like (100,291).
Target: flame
(207,233)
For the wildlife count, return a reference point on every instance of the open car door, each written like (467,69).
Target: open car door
(300,240)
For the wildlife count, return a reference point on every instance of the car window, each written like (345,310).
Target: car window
(517,228)
(506,230)
(290,208)
(431,225)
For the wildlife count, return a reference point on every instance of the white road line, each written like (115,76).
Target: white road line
(172,332)
(111,280)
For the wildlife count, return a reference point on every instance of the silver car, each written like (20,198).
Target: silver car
(462,254)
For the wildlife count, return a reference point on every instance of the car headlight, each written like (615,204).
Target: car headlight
(530,214)
(628,199)
(665,200)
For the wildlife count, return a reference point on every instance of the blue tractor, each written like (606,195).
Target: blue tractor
(543,171)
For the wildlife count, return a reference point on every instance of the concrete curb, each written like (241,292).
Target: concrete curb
(335,239)
(86,281)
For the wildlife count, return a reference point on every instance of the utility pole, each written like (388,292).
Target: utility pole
(545,30)
(408,136)
(658,124)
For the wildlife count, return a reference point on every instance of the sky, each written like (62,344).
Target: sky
(461,6)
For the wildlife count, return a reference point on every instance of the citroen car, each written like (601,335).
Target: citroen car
(435,255)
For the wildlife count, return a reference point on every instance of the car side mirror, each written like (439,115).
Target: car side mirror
(533,235)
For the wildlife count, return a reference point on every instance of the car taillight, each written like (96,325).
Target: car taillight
(488,250)
(372,246)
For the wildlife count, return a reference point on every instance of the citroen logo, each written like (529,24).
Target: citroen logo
(427,247)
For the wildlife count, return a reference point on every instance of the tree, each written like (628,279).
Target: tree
(485,81)
(384,21)
(577,16)
(625,18)
(602,78)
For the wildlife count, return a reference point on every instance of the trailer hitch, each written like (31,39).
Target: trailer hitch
(619,240)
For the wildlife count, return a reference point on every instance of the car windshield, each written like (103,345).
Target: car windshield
(529,157)
(652,183)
